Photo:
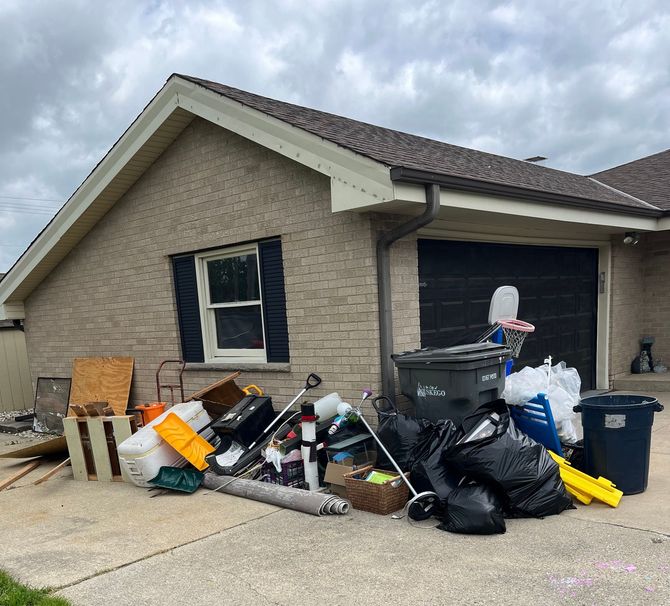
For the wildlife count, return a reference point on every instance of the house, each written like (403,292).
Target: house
(15,386)
(241,232)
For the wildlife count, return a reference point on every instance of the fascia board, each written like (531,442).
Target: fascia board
(12,311)
(481,202)
(369,180)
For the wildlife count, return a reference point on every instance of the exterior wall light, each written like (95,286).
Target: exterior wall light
(631,238)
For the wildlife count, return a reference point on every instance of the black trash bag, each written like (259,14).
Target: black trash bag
(474,509)
(517,466)
(405,437)
(430,472)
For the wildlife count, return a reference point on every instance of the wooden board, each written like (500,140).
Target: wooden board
(218,398)
(52,472)
(102,379)
(77,460)
(103,468)
(122,431)
(25,470)
(40,449)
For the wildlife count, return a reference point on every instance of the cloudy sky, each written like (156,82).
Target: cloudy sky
(585,83)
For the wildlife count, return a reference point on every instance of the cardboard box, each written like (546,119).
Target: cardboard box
(335,478)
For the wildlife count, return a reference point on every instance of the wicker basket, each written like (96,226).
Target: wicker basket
(375,498)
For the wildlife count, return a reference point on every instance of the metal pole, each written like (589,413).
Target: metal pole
(387,453)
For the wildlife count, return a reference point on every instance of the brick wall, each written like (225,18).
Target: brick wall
(113,294)
(628,300)
(656,271)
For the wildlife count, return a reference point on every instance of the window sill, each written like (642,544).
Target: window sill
(244,366)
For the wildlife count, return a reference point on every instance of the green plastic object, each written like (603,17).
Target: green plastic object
(378,477)
(176,478)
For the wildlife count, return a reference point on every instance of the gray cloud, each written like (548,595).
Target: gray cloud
(586,84)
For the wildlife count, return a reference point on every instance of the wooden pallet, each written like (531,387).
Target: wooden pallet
(93,443)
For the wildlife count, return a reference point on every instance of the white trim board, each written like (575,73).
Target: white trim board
(523,208)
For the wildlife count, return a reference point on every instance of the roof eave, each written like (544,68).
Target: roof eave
(420,177)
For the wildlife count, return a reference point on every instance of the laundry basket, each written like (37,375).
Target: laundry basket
(382,499)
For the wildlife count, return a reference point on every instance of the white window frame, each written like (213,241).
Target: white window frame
(207,309)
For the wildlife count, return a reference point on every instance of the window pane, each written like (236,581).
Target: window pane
(233,279)
(239,327)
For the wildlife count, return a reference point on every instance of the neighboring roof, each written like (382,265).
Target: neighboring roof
(398,149)
(647,178)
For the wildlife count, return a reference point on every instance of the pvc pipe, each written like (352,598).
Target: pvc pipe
(308,447)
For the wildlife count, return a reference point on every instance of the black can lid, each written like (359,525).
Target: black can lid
(618,402)
(459,353)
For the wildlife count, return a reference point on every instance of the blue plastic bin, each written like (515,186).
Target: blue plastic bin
(617,438)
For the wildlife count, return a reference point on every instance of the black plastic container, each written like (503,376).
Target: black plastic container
(245,422)
(452,382)
(617,438)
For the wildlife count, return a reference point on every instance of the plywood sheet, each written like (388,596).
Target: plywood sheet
(40,449)
(102,380)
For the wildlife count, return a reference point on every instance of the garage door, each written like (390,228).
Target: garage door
(557,287)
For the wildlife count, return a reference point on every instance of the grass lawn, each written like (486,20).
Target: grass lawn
(15,594)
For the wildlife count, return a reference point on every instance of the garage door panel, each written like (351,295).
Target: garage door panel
(557,286)
(452,314)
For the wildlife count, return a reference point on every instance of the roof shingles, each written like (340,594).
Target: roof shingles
(647,178)
(394,148)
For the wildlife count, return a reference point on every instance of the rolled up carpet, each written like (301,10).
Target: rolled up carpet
(314,503)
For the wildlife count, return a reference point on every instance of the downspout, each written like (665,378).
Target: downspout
(384,282)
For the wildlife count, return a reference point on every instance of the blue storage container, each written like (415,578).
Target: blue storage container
(617,438)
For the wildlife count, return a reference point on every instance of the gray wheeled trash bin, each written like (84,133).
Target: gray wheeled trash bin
(452,382)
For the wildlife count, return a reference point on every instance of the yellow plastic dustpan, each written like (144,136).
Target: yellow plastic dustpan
(185,441)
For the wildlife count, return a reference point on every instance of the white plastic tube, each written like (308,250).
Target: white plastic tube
(326,407)
(308,447)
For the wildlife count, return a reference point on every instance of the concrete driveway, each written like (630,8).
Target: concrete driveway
(109,543)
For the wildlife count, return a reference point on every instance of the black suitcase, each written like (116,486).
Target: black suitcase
(245,422)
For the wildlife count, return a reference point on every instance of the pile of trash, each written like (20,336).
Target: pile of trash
(482,472)
(320,456)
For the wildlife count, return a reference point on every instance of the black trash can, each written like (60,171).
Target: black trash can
(452,382)
(617,438)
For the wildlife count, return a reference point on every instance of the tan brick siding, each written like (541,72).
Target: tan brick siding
(656,298)
(113,294)
(628,301)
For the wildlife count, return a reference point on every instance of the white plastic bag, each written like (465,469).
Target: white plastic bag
(561,386)
(524,385)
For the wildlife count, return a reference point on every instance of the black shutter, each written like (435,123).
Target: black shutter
(188,308)
(274,301)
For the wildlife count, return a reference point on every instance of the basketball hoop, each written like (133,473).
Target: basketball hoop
(515,332)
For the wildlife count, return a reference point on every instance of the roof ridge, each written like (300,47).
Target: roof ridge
(623,193)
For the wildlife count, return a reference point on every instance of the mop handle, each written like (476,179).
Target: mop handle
(315,382)
(387,453)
